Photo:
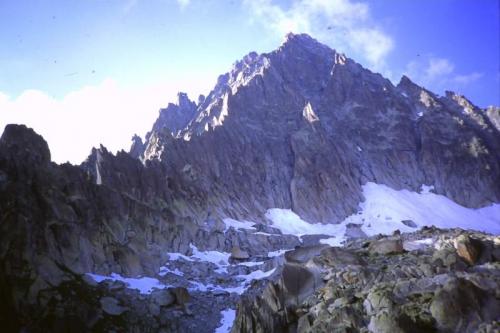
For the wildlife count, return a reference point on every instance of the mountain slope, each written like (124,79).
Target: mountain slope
(303,127)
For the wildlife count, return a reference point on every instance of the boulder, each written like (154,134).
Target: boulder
(460,305)
(112,306)
(239,254)
(181,295)
(467,249)
(163,297)
(386,246)
(409,223)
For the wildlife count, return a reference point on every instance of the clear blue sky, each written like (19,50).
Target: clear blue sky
(59,47)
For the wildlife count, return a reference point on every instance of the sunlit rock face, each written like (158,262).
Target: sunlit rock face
(303,127)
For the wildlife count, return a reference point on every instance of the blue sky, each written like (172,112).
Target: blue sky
(70,65)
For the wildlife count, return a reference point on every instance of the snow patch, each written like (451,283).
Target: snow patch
(165,270)
(385,208)
(426,189)
(174,256)
(418,244)
(145,284)
(238,224)
(277,253)
(220,259)
(251,263)
(290,223)
(228,317)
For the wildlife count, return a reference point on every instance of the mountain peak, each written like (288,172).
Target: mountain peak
(294,41)
(183,100)
(25,144)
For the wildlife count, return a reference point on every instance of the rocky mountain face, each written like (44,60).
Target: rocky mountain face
(302,127)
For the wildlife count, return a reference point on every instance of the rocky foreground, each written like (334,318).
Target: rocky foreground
(429,281)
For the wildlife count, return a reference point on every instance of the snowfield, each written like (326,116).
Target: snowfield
(384,209)
(228,317)
(145,285)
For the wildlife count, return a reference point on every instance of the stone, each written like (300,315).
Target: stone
(460,305)
(335,256)
(385,322)
(387,246)
(299,282)
(111,306)
(181,295)
(239,254)
(466,249)
(163,297)
(303,326)
(409,223)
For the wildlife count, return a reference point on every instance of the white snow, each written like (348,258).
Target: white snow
(264,233)
(426,189)
(220,259)
(255,275)
(198,286)
(420,114)
(290,223)
(164,270)
(238,224)
(333,241)
(277,253)
(251,263)
(417,244)
(227,321)
(173,256)
(383,210)
(245,281)
(145,284)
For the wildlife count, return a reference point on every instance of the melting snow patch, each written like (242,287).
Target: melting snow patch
(220,259)
(238,224)
(290,223)
(255,275)
(251,263)
(277,253)
(177,256)
(227,321)
(145,285)
(425,209)
(164,270)
(333,241)
(417,244)
(426,189)
(383,210)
